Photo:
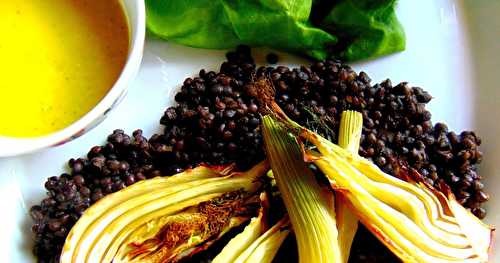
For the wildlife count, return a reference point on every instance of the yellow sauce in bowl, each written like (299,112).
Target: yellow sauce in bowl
(58,59)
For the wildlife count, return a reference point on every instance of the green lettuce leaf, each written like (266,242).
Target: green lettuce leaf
(280,24)
(366,28)
(196,23)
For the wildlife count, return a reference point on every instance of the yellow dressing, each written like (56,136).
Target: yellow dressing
(58,58)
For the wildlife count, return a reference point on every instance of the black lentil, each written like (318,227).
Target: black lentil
(108,168)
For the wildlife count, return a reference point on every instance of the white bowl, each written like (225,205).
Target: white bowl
(136,14)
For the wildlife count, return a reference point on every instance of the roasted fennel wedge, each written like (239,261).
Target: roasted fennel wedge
(351,124)
(310,205)
(166,218)
(414,220)
(239,243)
(248,247)
(264,248)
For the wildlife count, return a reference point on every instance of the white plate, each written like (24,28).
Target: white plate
(452,52)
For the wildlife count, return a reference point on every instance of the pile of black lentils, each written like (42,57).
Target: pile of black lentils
(217,121)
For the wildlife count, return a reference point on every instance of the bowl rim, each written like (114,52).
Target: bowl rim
(10,146)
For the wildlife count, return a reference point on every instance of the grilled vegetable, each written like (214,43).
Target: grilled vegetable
(266,246)
(166,218)
(415,221)
(255,244)
(351,124)
(238,244)
(309,205)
